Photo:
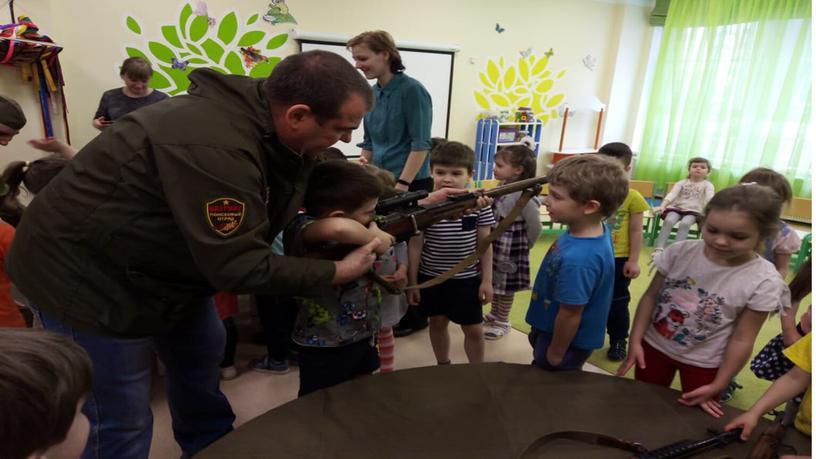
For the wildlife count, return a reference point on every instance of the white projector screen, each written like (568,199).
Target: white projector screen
(434,69)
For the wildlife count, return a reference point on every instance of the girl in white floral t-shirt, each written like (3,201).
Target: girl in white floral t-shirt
(706,304)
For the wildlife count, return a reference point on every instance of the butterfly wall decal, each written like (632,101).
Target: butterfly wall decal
(499,29)
(201,10)
(178,64)
(549,53)
(252,56)
(526,52)
(278,13)
(590,62)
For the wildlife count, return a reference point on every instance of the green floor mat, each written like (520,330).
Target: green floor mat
(743,398)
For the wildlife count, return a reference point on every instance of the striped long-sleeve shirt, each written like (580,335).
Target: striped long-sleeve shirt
(450,241)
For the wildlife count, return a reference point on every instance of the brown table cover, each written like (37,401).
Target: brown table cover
(491,410)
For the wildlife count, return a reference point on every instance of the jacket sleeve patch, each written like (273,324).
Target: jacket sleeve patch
(225,215)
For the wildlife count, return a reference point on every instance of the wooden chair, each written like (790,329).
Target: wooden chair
(646,189)
(799,211)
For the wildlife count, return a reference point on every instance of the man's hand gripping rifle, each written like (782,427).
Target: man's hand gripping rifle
(403,216)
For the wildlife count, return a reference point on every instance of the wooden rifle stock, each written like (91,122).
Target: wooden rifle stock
(767,445)
(770,440)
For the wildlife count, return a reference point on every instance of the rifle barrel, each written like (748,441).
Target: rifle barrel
(517,186)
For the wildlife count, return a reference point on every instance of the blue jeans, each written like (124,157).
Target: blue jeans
(574,358)
(118,407)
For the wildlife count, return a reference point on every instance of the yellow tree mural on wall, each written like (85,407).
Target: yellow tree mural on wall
(526,83)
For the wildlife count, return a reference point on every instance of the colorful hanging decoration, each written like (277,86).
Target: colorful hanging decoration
(278,13)
(22,46)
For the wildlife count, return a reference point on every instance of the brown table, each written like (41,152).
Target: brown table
(493,410)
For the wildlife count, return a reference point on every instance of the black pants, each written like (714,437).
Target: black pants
(322,367)
(277,316)
(617,325)
(232,343)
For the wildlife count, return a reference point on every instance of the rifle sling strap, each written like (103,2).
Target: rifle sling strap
(592,438)
(526,195)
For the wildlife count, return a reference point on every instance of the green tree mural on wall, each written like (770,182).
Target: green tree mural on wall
(200,41)
(526,83)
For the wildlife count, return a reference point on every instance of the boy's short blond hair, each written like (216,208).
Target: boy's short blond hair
(592,177)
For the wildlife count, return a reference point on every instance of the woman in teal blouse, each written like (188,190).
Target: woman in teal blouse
(398,130)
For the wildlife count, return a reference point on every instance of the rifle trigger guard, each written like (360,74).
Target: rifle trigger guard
(414,222)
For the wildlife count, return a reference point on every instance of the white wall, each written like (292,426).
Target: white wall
(616,34)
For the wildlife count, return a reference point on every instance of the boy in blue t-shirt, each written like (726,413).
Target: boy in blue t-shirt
(573,288)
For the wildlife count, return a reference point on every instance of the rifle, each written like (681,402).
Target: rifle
(410,219)
(770,440)
(403,216)
(677,450)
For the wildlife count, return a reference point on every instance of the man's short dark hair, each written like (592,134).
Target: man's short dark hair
(337,184)
(43,375)
(618,150)
(331,153)
(453,154)
(320,79)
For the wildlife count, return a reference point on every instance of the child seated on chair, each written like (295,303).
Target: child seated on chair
(684,204)
(335,327)
(573,289)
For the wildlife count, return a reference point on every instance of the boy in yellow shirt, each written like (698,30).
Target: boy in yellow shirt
(782,390)
(627,236)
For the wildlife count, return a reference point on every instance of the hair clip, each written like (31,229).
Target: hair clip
(26,164)
(748,183)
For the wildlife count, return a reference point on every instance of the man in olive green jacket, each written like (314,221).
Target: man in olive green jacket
(123,250)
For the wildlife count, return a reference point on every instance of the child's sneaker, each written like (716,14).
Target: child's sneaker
(617,350)
(267,365)
(728,393)
(228,373)
(496,330)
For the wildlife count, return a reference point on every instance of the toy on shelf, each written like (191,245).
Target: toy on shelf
(495,133)
(23,47)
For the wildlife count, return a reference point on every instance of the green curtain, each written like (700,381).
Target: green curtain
(732,84)
(658,16)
